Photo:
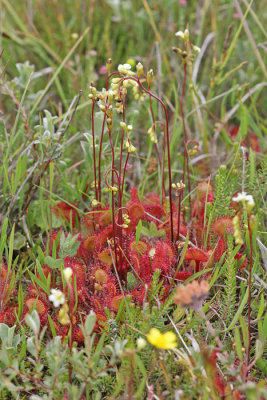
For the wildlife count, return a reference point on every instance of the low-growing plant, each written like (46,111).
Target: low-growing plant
(89,303)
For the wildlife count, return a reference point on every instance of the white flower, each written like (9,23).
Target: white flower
(125,69)
(245,198)
(183,35)
(57,297)
(180,34)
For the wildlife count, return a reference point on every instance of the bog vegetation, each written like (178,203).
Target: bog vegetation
(133,189)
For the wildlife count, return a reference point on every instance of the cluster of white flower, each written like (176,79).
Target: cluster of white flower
(57,297)
(246,199)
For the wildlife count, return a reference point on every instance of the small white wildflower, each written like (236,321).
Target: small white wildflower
(245,198)
(180,34)
(130,127)
(56,297)
(183,35)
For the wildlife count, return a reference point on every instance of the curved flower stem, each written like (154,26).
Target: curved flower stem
(71,326)
(101,138)
(179,214)
(186,158)
(161,164)
(113,200)
(249,286)
(156,145)
(168,144)
(99,157)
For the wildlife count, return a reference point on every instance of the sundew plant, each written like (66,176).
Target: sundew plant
(133,189)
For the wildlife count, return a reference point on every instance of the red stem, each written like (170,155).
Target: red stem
(113,202)
(186,158)
(162,164)
(101,139)
(249,285)
(168,145)
(179,215)
(93,134)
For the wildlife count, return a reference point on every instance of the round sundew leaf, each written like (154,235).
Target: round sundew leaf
(196,254)
(222,226)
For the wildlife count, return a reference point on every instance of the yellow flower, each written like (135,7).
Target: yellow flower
(164,341)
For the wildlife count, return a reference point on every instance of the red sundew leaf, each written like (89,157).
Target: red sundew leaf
(238,256)
(87,225)
(234,131)
(3,273)
(203,190)
(154,209)
(139,248)
(67,211)
(78,335)
(136,212)
(222,226)
(38,304)
(116,301)
(8,315)
(196,254)
(220,249)
(183,275)
(106,258)
(102,216)
(106,234)
(220,385)
(90,243)
(254,143)
(134,194)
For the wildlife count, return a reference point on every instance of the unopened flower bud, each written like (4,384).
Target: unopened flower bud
(131,149)
(94,203)
(108,65)
(150,76)
(141,343)
(186,35)
(140,69)
(123,126)
(67,272)
(74,36)
(196,48)
(102,107)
